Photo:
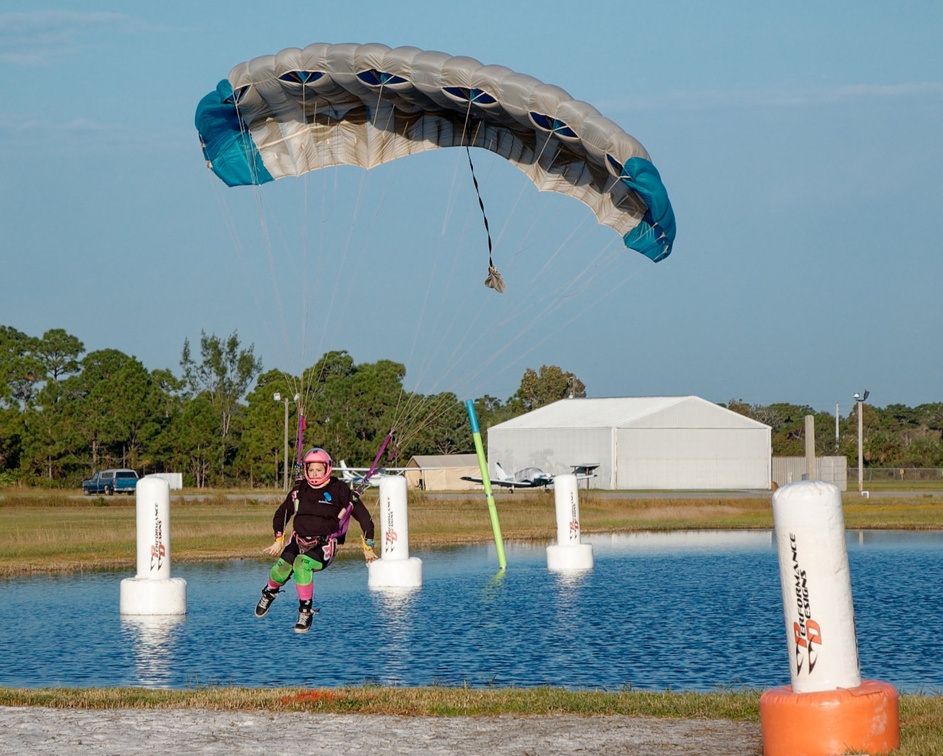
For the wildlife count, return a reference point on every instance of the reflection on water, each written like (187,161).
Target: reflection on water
(396,613)
(687,611)
(683,541)
(153,641)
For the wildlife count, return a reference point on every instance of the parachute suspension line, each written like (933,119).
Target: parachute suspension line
(310,380)
(451,345)
(458,346)
(263,224)
(303,389)
(238,244)
(299,444)
(338,268)
(305,310)
(273,270)
(556,304)
(552,300)
(412,411)
(409,403)
(417,412)
(262,214)
(589,276)
(270,258)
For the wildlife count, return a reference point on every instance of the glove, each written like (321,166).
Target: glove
(276,548)
(368,553)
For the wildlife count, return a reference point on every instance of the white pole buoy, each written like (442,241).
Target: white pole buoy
(568,553)
(153,591)
(809,530)
(395,568)
(827,709)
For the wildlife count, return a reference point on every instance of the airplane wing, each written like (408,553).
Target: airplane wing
(500,482)
(383,470)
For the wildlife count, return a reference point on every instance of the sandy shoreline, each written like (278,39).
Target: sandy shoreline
(39,730)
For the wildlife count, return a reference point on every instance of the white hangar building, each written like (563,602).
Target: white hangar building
(659,442)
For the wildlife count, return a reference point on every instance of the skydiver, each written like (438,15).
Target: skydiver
(322,506)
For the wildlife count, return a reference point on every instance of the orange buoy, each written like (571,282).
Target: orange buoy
(864,719)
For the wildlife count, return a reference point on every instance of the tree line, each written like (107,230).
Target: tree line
(895,436)
(65,413)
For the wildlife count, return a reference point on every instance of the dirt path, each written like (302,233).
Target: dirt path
(36,730)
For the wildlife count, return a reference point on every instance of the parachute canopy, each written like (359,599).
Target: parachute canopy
(348,104)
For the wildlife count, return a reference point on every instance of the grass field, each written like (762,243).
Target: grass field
(41,531)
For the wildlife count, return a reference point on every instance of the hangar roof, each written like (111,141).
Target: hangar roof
(632,412)
(443,460)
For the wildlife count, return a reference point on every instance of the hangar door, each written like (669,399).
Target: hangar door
(693,458)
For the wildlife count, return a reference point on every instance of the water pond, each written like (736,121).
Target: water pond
(686,611)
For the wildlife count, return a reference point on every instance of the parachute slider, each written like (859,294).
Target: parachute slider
(494,280)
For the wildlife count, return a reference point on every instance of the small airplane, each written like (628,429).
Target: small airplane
(355,476)
(531,477)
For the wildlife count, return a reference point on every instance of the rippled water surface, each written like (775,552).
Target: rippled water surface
(686,611)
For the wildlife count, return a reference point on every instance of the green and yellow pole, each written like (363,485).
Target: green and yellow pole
(486,482)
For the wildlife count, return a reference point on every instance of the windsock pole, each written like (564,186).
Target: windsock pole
(486,482)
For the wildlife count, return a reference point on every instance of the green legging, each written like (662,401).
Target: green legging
(304,568)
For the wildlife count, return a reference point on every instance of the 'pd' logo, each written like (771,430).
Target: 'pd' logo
(574,530)
(806,632)
(158,550)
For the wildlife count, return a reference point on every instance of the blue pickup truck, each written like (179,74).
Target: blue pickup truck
(109,482)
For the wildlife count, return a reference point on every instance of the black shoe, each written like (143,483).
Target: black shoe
(268,596)
(305,613)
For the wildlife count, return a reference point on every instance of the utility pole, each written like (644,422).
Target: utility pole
(860,399)
(278,398)
(836,429)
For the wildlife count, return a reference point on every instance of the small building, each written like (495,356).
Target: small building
(830,469)
(442,472)
(639,443)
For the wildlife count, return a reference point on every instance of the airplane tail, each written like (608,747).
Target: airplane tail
(346,475)
(499,472)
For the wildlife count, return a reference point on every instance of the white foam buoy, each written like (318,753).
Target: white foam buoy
(568,553)
(395,568)
(153,591)
(809,530)
(828,709)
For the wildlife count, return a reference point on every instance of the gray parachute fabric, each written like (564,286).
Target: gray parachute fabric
(348,104)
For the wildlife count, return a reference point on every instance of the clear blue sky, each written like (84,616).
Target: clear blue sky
(801,144)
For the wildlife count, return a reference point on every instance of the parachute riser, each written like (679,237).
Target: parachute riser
(375,466)
(299,441)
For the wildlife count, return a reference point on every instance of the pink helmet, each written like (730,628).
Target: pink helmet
(317,455)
